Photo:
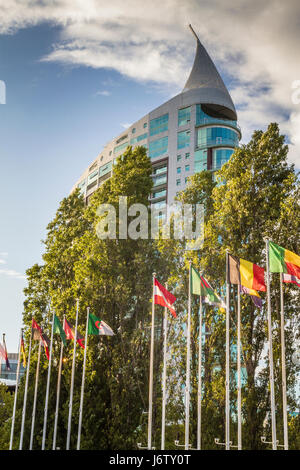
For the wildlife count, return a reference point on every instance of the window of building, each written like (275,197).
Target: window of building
(200,160)
(184,116)
(178,170)
(178,158)
(210,136)
(120,148)
(138,138)
(133,130)
(104,169)
(187,167)
(183,139)
(121,138)
(145,125)
(92,175)
(158,147)
(219,157)
(160,169)
(159,124)
(187,156)
(160,179)
(178,182)
(161,193)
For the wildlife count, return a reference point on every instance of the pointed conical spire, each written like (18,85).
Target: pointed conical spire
(206,77)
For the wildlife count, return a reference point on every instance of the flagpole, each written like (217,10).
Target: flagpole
(48,386)
(163,422)
(273,416)
(239,390)
(151,371)
(227,403)
(25,394)
(16,394)
(284,398)
(83,379)
(57,395)
(37,373)
(199,373)
(72,382)
(188,366)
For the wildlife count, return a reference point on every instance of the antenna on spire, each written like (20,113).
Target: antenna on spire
(191,28)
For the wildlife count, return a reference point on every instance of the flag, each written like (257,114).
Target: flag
(291,279)
(3,354)
(58,328)
(245,273)
(286,262)
(257,300)
(6,356)
(200,286)
(70,333)
(98,327)
(39,335)
(23,350)
(163,297)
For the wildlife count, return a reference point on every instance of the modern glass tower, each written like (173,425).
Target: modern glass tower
(194,131)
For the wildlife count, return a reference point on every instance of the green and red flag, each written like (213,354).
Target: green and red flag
(98,327)
(286,262)
(39,335)
(70,333)
(200,286)
(245,273)
(58,328)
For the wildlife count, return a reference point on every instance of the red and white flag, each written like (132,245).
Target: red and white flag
(292,279)
(163,297)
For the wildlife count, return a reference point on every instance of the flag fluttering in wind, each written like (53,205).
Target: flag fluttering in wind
(58,329)
(98,327)
(70,333)
(256,298)
(23,350)
(3,354)
(163,297)
(200,286)
(245,273)
(39,335)
(286,262)
(6,355)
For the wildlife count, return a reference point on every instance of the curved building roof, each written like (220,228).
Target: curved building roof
(206,79)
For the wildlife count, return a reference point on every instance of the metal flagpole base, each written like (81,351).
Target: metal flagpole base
(263,439)
(217,441)
(183,445)
(139,444)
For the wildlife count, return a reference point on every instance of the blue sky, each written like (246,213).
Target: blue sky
(55,121)
(77,73)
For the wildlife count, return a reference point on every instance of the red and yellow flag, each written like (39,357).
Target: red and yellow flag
(245,273)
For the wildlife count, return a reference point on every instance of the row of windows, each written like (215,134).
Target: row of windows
(159,124)
(219,157)
(158,147)
(178,170)
(203,118)
(187,156)
(178,181)
(134,140)
(211,136)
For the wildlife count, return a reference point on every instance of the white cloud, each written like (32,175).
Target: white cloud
(125,125)
(9,272)
(12,273)
(103,93)
(255,46)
